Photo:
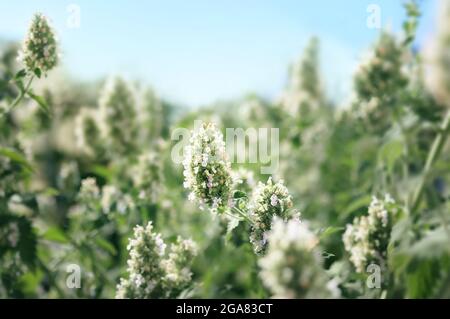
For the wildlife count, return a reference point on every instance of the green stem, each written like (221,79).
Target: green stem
(244,215)
(433,155)
(21,95)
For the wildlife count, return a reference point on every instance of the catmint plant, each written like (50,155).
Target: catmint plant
(146,176)
(378,81)
(207,169)
(39,51)
(118,110)
(39,55)
(88,132)
(153,272)
(292,267)
(367,238)
(268,201)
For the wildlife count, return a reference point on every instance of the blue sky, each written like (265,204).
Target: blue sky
(199,51)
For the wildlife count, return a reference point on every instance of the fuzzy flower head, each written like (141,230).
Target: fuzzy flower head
(379,78)
(39,50)
(87,131)
(154,273)
(118,109)
(268,201)
(292,267)
(207,170)
(147,176)
(367,238)
(176,265)
(89,190)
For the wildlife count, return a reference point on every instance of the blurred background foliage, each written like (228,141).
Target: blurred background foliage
(333,158)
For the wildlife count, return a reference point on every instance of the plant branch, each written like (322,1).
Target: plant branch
(21,95)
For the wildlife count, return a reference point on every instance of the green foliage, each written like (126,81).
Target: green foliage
(82,165)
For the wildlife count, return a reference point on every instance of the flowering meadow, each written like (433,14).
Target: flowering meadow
(94,204)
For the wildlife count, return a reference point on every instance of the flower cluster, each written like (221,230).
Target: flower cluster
(118,109)
(268,201)
(380,77)
(304,93)
(109,200)
(39,50)
(89,190)
(176,265)
(367,238)
(207,170)
(292,267)
(152,272)
(147,176)
(88,131)
(9,235)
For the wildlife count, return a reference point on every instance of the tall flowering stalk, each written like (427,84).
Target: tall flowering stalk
(292,267)
(153,273)
(118,108)
(208,176)
(207,169)
(147,176)
(268,201)
(379,80)
(39,50)
(39,55)
(367,238)
(88,134)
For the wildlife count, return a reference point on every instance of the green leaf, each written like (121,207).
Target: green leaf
(38,72)
(40,101)
(21,74)
(106,245)
(233,223)
(57,235)
(239,194)
(50,191)
(330,231)
(16,158)
(361,202)
(102,171)
(390,153)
